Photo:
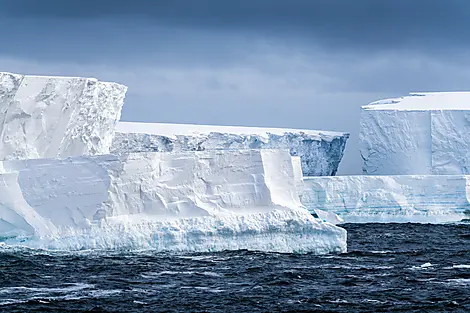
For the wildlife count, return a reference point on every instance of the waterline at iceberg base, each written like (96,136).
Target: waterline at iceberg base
(186,201)
(284,231)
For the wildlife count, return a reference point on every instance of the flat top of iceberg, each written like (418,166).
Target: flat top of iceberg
(52,76)
(418,101)
(170,130)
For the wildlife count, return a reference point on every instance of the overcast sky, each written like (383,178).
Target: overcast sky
(291,63)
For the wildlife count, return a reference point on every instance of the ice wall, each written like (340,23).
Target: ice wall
(187,201)
(409,198)
(43,117)
(424,133)
(320,151)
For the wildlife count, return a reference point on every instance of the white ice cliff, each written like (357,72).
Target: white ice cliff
(320,151)
(407,198)
(424,133)
(44,117)
(186,201)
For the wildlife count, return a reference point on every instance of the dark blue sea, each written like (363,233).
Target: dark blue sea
(389,268)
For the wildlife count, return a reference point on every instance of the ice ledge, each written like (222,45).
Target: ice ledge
(386,199)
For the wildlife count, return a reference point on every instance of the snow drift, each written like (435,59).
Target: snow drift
(424,133)
(320,151)
(45,117)
(186,201)
(409,198)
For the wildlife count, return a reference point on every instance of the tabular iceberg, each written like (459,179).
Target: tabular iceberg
(424,133)
(186,201)
(407,198)
(320,152)
(44,117)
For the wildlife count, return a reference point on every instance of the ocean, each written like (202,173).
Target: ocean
(388,268)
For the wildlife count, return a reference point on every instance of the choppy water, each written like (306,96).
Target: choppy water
(389,267)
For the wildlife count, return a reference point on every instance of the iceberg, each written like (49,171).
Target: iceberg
(47,117)
(387,199)
(421,134)
(182,201)
(320,151)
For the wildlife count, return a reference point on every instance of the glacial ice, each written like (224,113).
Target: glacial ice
(45,117)
(421,134)
(329,217)
(387,199)
(320,151)
(186,201)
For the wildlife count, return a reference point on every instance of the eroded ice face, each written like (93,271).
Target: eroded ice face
(44,117)
(320,151)
(422,134)
(186,201)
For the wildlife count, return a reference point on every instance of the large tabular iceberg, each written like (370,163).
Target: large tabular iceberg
(408,198)
(186,201)
(320,151)
(44,117)
(424,133)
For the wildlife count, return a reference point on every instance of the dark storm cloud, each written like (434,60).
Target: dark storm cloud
(358,22)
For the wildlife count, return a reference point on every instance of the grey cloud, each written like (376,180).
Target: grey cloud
(369,23)
(226,33)
(99,41)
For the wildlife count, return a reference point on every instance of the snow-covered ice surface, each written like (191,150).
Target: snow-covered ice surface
(320,151)
(45,117)
(187,201)
(408,198)
(421,134)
